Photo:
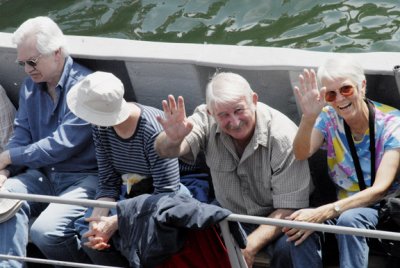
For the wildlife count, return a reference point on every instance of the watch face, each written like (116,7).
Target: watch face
(336,208)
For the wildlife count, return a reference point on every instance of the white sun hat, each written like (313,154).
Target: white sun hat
(8,207)
(99,99)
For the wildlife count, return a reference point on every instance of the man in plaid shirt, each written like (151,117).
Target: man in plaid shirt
(7,114)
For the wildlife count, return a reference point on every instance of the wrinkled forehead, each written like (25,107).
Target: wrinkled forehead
(227,106)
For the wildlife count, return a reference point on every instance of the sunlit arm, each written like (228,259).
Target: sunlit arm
(385,176)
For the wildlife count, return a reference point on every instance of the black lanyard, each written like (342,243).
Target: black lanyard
(371,123)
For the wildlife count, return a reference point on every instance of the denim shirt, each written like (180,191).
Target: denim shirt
(47,134)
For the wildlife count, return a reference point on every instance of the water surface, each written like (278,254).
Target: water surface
(326,25)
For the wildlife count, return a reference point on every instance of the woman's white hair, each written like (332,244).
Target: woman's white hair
(342,66)
(48,35)
(227,87)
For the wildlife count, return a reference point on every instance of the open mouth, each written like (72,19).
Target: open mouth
(344,107)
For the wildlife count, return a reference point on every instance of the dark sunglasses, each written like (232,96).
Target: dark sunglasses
(31,62)
(345,91)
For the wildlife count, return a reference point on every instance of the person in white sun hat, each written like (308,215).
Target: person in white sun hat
(124,135)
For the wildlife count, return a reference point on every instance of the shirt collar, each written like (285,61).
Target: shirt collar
(64,75)
(66,72)
(263,123)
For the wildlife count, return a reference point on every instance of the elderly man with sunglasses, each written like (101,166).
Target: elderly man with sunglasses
(362,139)
(51,151)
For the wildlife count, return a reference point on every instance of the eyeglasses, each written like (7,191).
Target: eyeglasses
(31,62)
(345,91)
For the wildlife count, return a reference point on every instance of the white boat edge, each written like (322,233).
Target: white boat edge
(243,57)
(152,70)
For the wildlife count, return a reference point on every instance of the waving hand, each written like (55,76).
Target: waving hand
(311,99)
(175,123)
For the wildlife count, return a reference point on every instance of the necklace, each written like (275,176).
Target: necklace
(357,137)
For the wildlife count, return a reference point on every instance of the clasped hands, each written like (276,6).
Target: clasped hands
(100,231)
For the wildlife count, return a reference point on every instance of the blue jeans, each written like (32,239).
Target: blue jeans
(354,250)
(53,231)
(285,254)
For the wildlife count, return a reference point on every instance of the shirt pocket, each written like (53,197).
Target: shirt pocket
(221,165)
(223,174)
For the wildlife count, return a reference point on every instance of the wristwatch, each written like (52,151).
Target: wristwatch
(337,208)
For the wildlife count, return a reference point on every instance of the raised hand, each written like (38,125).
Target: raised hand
(175,123)
(310,98)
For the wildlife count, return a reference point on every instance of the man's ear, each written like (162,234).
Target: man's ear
(58,54)
(255,98)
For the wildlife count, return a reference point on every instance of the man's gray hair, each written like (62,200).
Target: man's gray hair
(226,87)
(48,35)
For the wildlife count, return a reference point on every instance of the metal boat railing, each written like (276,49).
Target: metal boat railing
(53,262)
(234,252)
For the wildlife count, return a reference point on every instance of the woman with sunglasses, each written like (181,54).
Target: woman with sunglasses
(362,140)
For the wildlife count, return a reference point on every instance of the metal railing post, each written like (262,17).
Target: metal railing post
(235,255)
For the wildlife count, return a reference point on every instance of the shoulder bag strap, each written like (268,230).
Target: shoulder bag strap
(371,122)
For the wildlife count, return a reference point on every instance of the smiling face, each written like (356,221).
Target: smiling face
(237,118)
(348,107)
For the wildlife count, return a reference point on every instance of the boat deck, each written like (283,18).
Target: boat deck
(150,71)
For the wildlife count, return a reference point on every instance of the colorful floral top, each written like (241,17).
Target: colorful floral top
(340,162)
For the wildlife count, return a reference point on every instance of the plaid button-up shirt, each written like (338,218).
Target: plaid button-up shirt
(7,114)
(266,177)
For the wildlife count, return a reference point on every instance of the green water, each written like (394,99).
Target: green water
(329,25)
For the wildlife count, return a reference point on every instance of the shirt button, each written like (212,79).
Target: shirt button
(52,169)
